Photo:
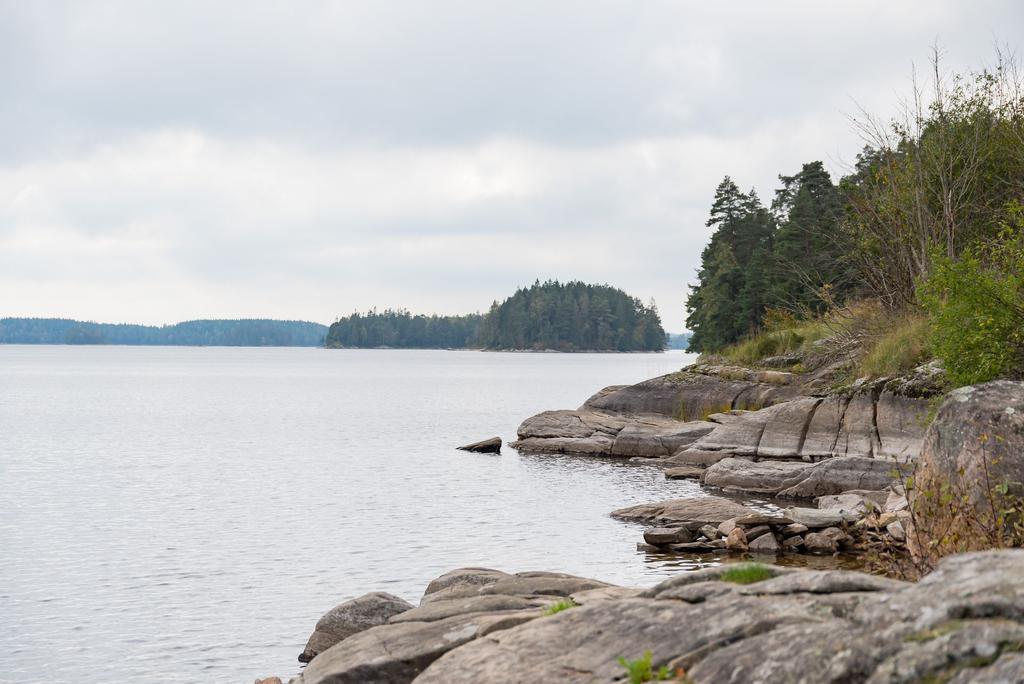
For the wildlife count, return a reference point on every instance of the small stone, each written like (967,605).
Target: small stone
(794,529)
(737,540)
(692,546)
(269,680)
(649,548)
(667,535)
(755,532)
(710,531)
(726,527)
(766,543)
(792,543)
(826,541)
(885,518)
(895,530)
(718,543)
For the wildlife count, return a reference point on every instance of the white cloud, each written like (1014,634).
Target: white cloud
(173,160)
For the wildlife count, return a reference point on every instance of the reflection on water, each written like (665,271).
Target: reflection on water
(188,514)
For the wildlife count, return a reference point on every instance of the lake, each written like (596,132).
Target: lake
(187,514)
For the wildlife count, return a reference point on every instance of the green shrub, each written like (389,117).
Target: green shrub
(559,606)
(641,670)
(976,305)
(746,573)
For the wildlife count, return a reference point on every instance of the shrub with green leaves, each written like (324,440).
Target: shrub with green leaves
(641,670)
(559,606)
(976,306)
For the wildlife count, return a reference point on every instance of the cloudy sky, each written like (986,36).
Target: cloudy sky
(169,160)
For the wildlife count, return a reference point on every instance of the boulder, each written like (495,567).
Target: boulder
(351,617)
(696,511)
(971,466)
(826,541)
(766,543)
(837,475)
(762,477)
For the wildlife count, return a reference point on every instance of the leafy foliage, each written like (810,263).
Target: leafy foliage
(559,606)
(976,305)
(641,670)
(225,333)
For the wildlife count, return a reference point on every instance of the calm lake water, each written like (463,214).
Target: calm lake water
(187,514)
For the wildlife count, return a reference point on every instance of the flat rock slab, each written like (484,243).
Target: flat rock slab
(816,518)
(762,477)
(840,474)
(683,473)
(701,511)
(441,609)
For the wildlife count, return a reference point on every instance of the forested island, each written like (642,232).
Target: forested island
(198,333)
(571,316)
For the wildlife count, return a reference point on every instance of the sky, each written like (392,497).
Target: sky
(163,161)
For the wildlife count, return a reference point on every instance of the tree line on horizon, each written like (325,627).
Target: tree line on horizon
(198,333)
(571,316)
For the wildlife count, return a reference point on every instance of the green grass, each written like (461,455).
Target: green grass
(641,670)
(746,573)
(898,351)
(774,342)
(559,606)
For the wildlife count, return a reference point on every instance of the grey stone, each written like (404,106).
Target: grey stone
(351,617)
(439,610)
(896,531)
(696,457)
(837,475)
(487,446)
(977,437)
(762,477)
(827,540)
(756,531)
(815,518)
(784,430)
(763,519)
(702,510)
(765,543)
(710,532)
(667,535)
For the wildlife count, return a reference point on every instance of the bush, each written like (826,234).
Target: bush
(976,305)
(642,670)
(559,606)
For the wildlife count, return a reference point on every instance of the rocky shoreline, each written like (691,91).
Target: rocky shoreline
(834,457)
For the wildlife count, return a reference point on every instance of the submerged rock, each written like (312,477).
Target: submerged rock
(487,446)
